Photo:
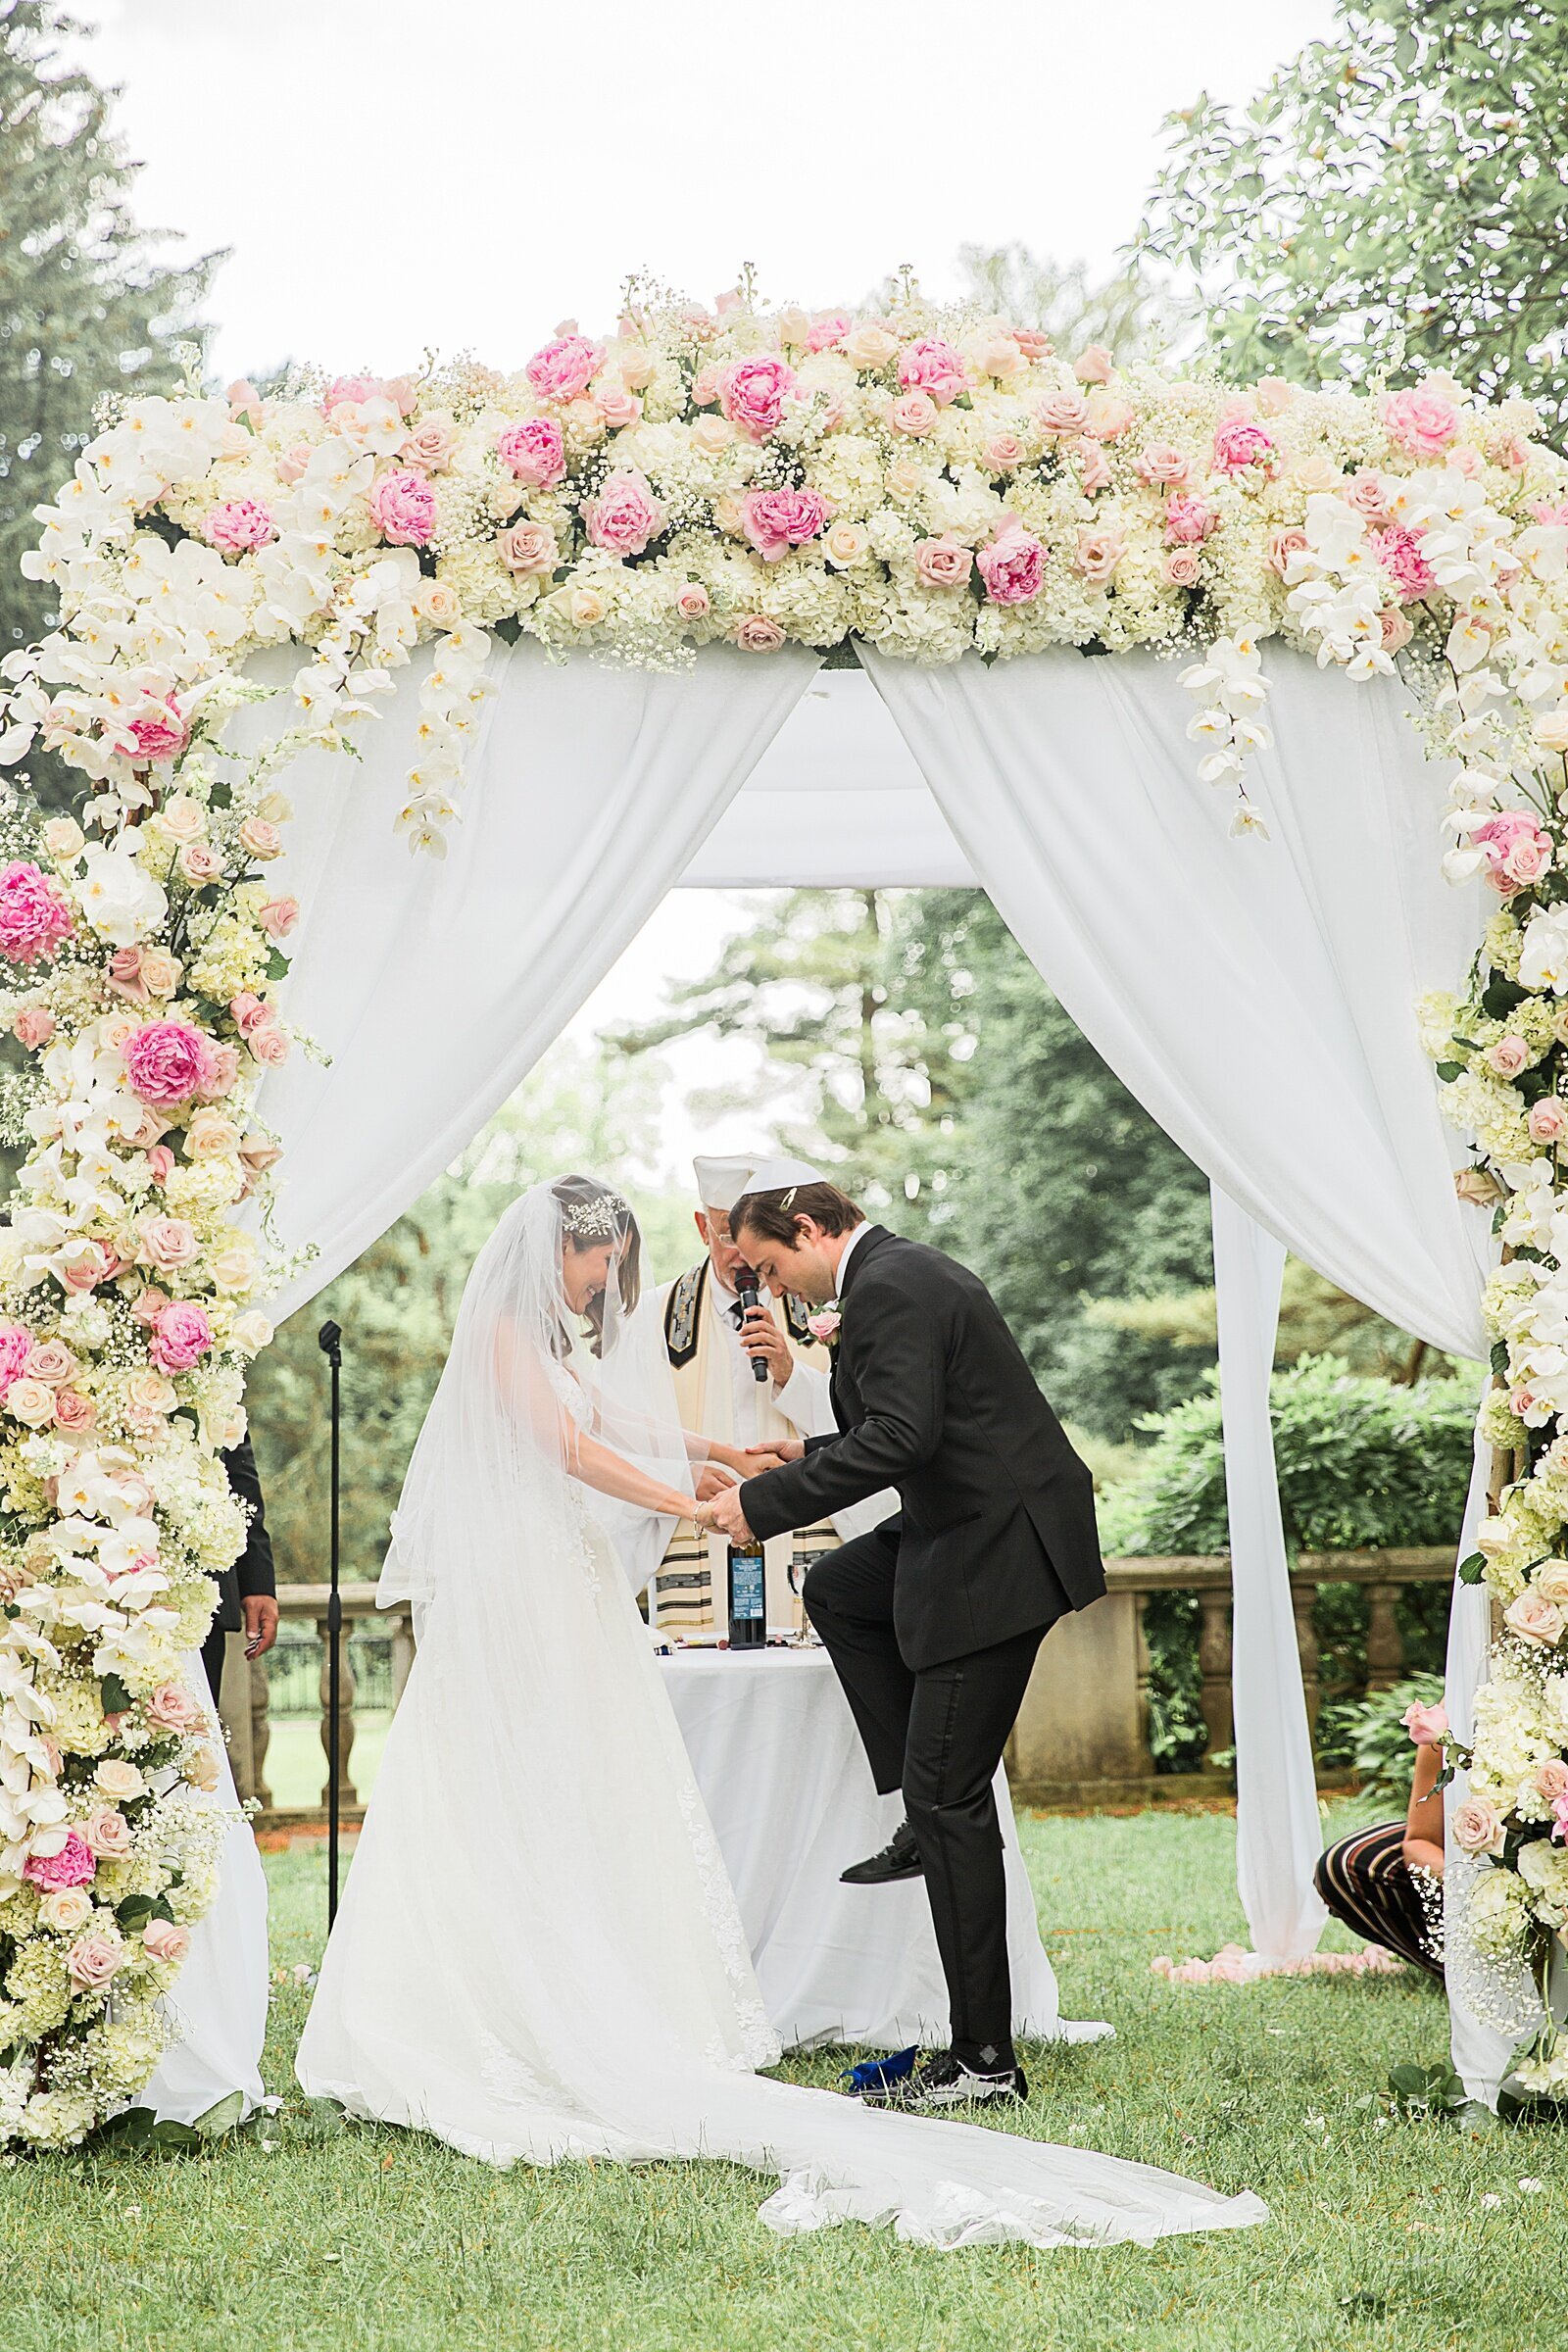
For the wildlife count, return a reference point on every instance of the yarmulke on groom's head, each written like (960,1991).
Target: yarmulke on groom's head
(778,1175)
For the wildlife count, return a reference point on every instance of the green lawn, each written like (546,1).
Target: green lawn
(371,2238)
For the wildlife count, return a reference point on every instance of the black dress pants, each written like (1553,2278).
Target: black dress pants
(938,1732)
(212,1659)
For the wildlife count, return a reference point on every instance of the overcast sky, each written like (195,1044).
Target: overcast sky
(463,174)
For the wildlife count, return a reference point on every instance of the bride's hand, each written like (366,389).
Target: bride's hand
(711,1479)
(757,1458)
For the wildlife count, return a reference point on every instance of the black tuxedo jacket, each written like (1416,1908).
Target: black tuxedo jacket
(932,1396)
(252,1571)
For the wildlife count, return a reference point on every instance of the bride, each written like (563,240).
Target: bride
(539,1955)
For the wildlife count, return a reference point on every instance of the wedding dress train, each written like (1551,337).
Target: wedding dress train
(539,1955)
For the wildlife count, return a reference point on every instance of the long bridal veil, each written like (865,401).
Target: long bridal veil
(539,1955)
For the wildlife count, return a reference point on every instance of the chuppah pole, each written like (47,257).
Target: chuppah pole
(330,1339)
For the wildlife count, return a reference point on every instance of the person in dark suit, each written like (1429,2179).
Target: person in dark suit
(247,1592)
(933,1619)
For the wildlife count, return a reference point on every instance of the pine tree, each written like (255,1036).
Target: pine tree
(86,308)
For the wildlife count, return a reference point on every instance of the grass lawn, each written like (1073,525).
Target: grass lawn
(374,2238)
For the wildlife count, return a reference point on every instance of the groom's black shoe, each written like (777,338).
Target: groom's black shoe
(898,1859)
(943,2081)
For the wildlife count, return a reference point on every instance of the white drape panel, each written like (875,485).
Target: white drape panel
(435,987)
(1277,1835)
(1479,2052)
(1255,996)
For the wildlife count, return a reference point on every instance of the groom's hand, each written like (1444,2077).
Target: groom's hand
(772,1458)
(723,1514)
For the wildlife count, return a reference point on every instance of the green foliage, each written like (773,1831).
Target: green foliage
(1128,311)
(1396,198)
(1382,1754)
(85,309)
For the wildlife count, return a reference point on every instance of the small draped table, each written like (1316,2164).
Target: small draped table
(790,1795)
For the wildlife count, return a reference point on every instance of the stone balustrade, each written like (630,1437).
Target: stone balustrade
(1083,1733)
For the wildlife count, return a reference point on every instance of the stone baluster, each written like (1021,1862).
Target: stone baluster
(345,1742)
(261,1732)
(402,1652)
(1385,1644)
(1214,1665)
(1145,1663)
(1304,1596)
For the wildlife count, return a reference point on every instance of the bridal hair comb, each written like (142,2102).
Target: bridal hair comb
(597,1220)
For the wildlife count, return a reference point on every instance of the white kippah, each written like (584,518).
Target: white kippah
(720,1180)
(778,1175)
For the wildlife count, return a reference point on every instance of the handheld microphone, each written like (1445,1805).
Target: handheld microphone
(746,1292)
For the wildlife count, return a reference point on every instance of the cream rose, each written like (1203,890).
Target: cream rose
(1550,1581)
(201,1767)
(107,1833)
(1550,730)
(161,973)
(31,1402)
(1535,1619)
(67,1910)
(1478,1827)
(119,1780)
(252,1331)
(94,1958)
(869,345)
(211,1135)
(712,435)
(845,544)
(149,1396)
(64,839)
(585,608)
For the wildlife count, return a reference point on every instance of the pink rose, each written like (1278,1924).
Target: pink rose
(1187,520)
(751,394)
(931,366)
(529,549)
(824,1326)
(71,1865)
(164,1940)
(107,1833)
(1165,463)
(173,1707)
(238,526)
(1397,629)
(1421,424)
(1366,494)
(292,466)
(1062,414)
(1426,1724)
(34,918)
(1544,511)
(270,1046)
(1239,446)
(247,1011)
(262,838)
(693,602)
(161,733)
(1516,851)
(1281,545)
(1012,566)
(199,864)
(351,390)
(1098,553)
(1399,550)
(150,1305)
(166,1061)
(50,1361)
(1535,1619)
(402,508)
(1551,1779)
(830,328)
(534,451)
(125,976)
(1183,567)
(1093,461)
(1094,365)
(430,446)
(1508,1056)
(625,515)
(775,520)
(912,412)
(1547,1120)
(94,1959)
(75,1413)
(225,1070)
(757,633)
(182,1336)
(32,1027)
(563,369)
(168,1242)
(942,563)
(160,1163)
(1002,452)
(279,917)
(618,406)
(707,385)
(1477,1826)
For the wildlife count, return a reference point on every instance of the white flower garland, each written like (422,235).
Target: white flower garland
(932,482)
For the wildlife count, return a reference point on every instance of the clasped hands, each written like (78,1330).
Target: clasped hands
(719,1499)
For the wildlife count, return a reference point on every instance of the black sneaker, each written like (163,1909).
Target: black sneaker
(898,1859)
(943,2081)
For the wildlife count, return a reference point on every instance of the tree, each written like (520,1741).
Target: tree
(86,308)
(1129,312)
(1395,199)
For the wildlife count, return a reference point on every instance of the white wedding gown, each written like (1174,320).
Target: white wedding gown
(539,1955)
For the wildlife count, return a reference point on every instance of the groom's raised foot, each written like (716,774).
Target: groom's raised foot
(898,1859)
(943,2081)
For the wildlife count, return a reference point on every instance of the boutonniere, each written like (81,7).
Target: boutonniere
(824,1323)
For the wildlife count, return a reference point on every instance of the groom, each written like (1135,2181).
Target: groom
(933,1619)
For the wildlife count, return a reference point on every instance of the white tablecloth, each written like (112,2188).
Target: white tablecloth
(790,1794)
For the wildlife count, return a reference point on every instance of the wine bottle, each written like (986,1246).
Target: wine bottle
(747,1602)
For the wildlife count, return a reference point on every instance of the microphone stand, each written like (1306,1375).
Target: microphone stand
(330,1339)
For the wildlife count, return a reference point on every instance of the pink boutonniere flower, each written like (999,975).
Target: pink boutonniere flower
(824,1325)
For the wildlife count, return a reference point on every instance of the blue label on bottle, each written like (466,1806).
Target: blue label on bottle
(746,1593)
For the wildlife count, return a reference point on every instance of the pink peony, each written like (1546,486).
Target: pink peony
(162,733)
(237,525)
(942,563)
(563,369)
(1012,566)
(1187,520)
(775,520)
(931,366)
(34,918)
(182,1336)
(402,508)
(757,633)
(71,1865)
(625,516)
(751,394)
(824,332)
(166,1061)
(534,451)
(1516,851)
(1421,424)
(1399,550)
(1426,1724)
(354,389)
(1240,445)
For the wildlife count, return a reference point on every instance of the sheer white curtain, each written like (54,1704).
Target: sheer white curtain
(1257,997)
(435,987)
